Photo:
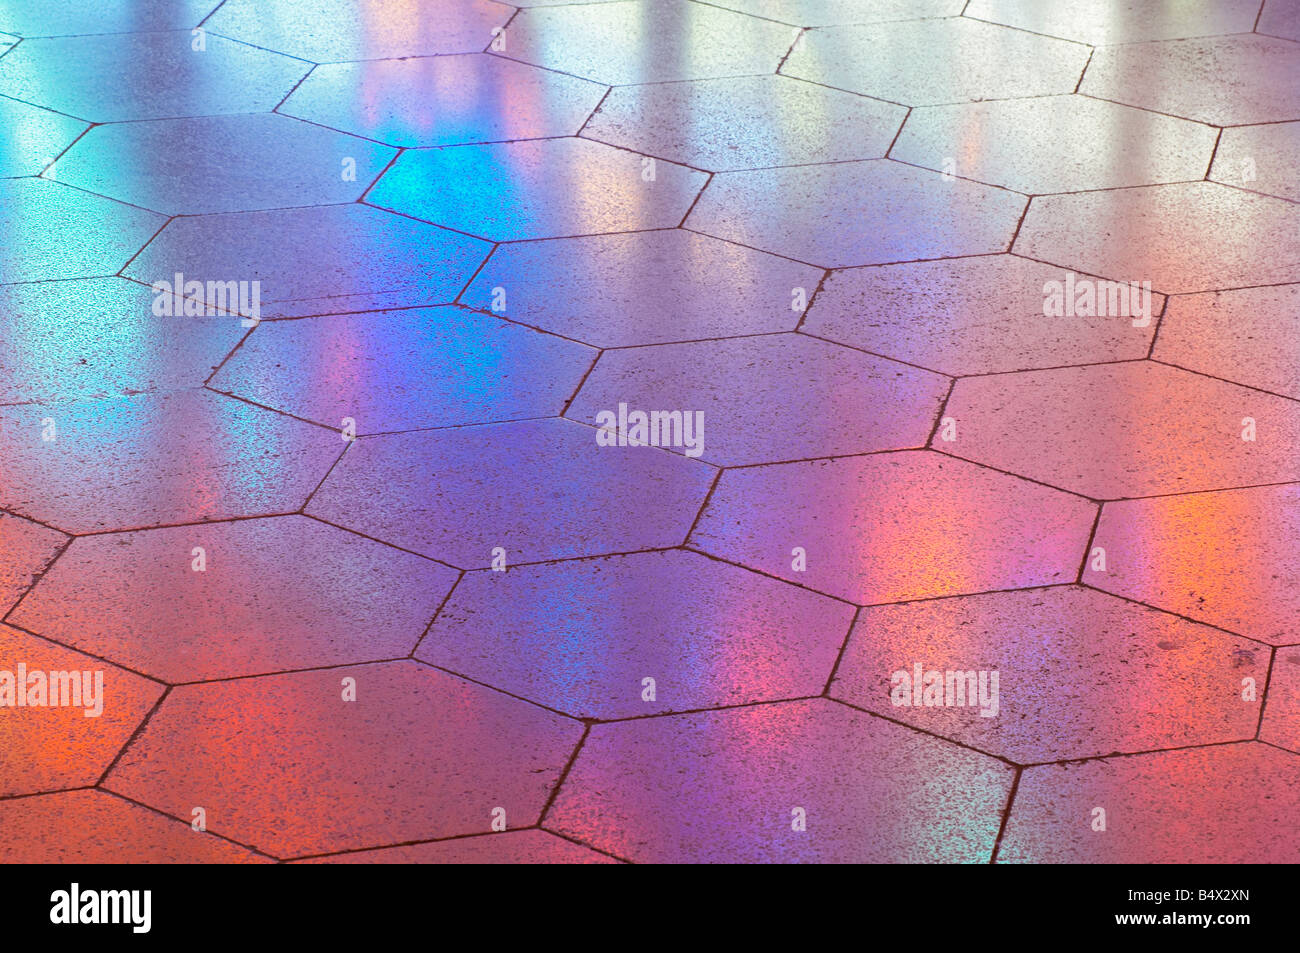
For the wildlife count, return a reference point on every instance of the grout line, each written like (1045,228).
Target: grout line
(1006,815)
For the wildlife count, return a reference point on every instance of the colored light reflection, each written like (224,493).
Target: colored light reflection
(715,785)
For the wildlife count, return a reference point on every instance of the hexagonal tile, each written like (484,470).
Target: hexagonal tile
(280,593)
(857,213)
(53,231)
(406,370)
(155,76)
(98,337)
(32,136)
(833,12)
(326,31)
(929,62)
(1104,22)
(771,398)
(223,163)
(1124,430)
(1056,144)
(643,288)
(540,489)
(1076,670)
(62,742)
(65,17)
(444,100)
(1229,80)
(871,791)
(445,332)
(582,636)
(323,260)
(1260,158)
(745,122)
(1198,236)
(646,41)
(1281,724)
(1236,798)
(506,847)
(95,827)
(1213,557)
(895,526)
(1243,335)
(26,548)
(1280,18)
(418,754)
(968,316)
(150,460)
(543,188)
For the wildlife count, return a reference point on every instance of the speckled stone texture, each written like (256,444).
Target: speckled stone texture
(538,431)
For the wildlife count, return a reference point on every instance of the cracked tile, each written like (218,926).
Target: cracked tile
(1075,669)
(871,791)
(1260,158)
(646,41)
(1152,802)
(1244,336)
(929,62)
(155,76)
(62,743)
(228,164)
(896,526)
(1228,80)
(323,260)
(148,460)
(32,136)
(406,370)
(1182,238)
(282,763)
(444,100)
(968,316)
(768,399)
(330,31)
(505,847)
(274,594)
(745,123)
(94,827)
(1213,557)
(26,549)
(544,188)
(643,288)
(1124,430)
(583,636)
(540,489)
(1103,22)
(52,231)
(114,346)
(857,213)
(1055,144)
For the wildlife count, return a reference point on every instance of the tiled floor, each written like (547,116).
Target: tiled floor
(955,550)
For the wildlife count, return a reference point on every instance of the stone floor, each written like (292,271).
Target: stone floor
(317,315)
